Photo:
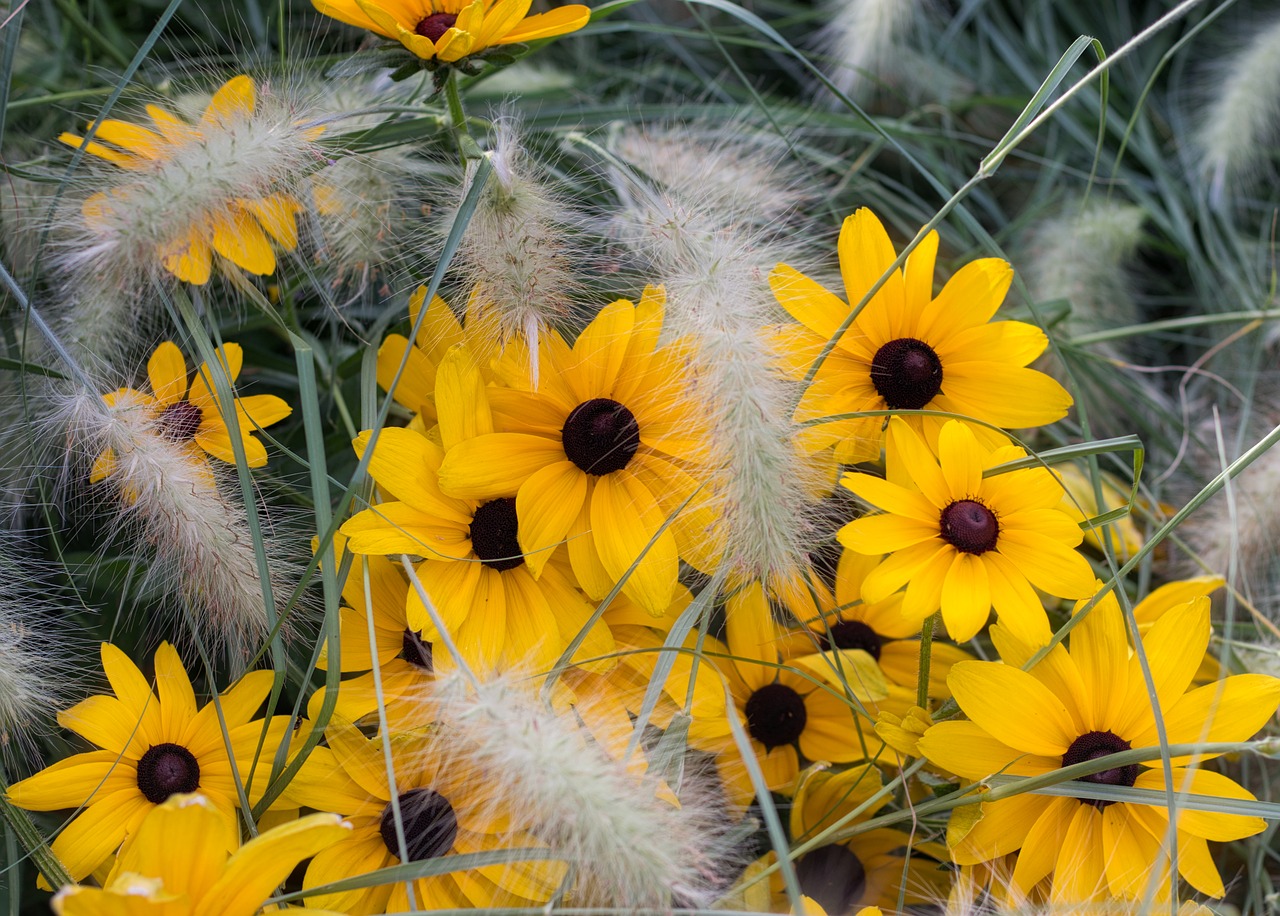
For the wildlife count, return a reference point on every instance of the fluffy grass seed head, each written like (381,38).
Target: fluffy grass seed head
(632,845)
(1240,114)
(169,498)
(520,252)
(708,220)
(863,40)
(173,193)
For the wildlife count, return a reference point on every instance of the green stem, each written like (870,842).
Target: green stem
(467,148)
(29,836)
(926,654)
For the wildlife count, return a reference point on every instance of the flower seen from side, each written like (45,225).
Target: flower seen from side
(961,541)
(907,349)
(152,744)
(449,30)
(1087,701)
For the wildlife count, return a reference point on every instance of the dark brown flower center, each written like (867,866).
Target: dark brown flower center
(906,373)
(852,634)
(435,25)
(430,825)
(970,527)
(416,650)
(601,436)
(833,876)
(494,530)
(1091,746)
(165,769)
(775,715)
(181,421)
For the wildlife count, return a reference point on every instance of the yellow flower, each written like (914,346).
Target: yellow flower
(191,415)
(1085,702)
(600,456)
(176,865)
(786,713)
(963,542)
(908,350)
(499,613)
(228,161)
(448,30)
(846,622)
(867,870)
(443,811)
(153,745)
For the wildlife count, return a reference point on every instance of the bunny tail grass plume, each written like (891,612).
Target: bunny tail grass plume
(862,40)
(626,841)
(174,504)
(710,232)
(1240,114)
(520,251)
(37,651)
(167,197)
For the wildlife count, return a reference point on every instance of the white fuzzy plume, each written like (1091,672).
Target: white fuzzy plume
(863,40)
(173,504)
(627,845)
(708,223)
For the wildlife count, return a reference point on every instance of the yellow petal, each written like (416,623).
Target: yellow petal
(1013,707)
(966,597)
(234,101)
(599,350)
(167,372)
(188,257)
(461,405)
(625,523)
(182,843)
(239,238)
(547,506)
(559,21)
(496,465)
(201,395)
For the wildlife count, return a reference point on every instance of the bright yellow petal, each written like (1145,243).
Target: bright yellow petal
(239,238)
(496,465)
(1013,706)
(188,257)
(201,395)
(625,521)
(167,372)
(234,101)
(966,597)
(546,507)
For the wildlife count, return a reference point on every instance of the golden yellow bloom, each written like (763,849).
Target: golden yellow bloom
(963,542)
(909,350)
(153,744)
(191,414)
(1077,705)
(449,30)
(176,865)
(200,189)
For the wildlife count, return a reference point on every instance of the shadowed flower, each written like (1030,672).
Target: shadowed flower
(909,350)
(1082,703)
(962,541)
(153,745)
(449,30)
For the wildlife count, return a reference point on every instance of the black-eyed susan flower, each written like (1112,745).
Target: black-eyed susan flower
(438,809)
(963,542)
(176,865)
(449,30)
(1089,701)
(185,410)
(152,744)
(907,349)
(843,622)
(599,456)
(869,869)
(219,186)
(473,570)
(787,714)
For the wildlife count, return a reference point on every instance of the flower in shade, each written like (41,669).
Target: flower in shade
(177,865)
(907,349)
(787,714)
(1081,703)
(871,867)
(600,456)
(449,30)
(438,809)
(153,744)
(473,570)
(187,412)
(962,541)
(220,186)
